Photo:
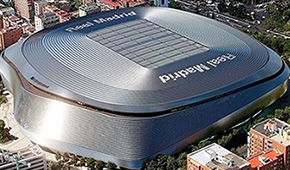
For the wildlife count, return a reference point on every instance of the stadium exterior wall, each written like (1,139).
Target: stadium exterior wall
(130,141)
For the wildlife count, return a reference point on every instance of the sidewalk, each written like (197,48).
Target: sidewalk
(6,114)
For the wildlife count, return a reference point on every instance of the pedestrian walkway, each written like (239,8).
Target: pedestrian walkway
(6,114)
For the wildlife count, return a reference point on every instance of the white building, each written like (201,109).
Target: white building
(38,6)
(45,20)
(215,156)
(89,8)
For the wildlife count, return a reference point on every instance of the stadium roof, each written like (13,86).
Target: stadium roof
(141,60)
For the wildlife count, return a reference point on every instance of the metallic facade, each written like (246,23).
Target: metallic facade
(78,93)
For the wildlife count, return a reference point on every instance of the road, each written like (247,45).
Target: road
(191,6)
(203,9)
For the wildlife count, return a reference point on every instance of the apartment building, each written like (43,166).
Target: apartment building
(214,157)
(270,134)
(45,20)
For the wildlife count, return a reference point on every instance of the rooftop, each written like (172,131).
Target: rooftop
(120,3)
(90,6)
(262,159)
(62,13)
(275,129)
(46,14)
(13,18)
(31,155)
(41,2)
(158,40)
(215,156)
(140,59)
(6,9)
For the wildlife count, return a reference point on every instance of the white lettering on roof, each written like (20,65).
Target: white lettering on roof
(198,68)
(100,21)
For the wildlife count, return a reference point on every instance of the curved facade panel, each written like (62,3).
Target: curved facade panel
(129,84)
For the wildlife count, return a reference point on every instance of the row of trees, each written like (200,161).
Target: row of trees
(282,114)
(162,162)
(231,140)
(65,160)
(59,166)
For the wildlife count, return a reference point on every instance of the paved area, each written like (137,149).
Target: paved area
(6,114)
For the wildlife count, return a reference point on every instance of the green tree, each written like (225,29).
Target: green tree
(66,157)
(100,165)
(233,150)
(181,160)
(271,8)
(74,5)
(225,140)
(111,166)
(241,11)
(174,4)
(222,7)
(236,132)
(194,148)
(151,165)
(203,144)
(286,15)
(161,162)
(58,156)
(74,160)
(1,86)
(3,99)
(171,163)
(283,114)
(2,124)
(237,10)
(231,9)
(5,135)
(90,163)
(56,166)
(82,162)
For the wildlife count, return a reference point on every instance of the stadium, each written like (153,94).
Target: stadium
(127,85)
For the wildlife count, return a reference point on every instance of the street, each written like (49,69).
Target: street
(204,10)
